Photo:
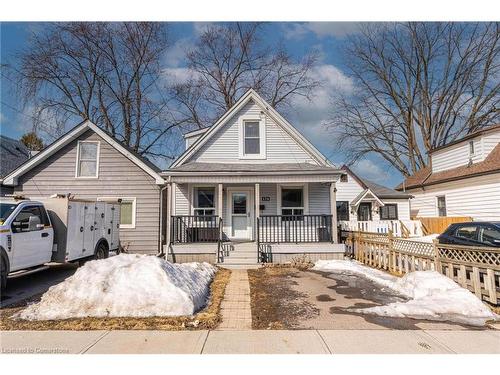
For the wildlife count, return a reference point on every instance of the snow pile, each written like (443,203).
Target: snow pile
(432,296)
(126,285)
(427,239)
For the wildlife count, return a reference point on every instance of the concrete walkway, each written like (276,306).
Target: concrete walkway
(235,307)
(251,342)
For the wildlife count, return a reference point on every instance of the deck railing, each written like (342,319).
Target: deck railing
(294,228)
(196,228)
(400,228)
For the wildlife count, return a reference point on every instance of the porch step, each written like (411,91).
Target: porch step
(240,266)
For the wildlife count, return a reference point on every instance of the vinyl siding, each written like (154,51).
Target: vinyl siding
(118,177)
(477,197)
(347,191)
(182,199)
(319,199)
(224,145)
(458,155)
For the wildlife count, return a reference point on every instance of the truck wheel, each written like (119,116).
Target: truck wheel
(101,251)
(3,273)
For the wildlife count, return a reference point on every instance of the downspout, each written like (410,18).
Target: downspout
(161,253)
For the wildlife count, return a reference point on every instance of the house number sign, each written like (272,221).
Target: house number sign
(265,199)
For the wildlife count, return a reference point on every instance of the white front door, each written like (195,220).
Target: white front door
(240,213)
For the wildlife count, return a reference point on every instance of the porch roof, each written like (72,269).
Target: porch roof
(200,168)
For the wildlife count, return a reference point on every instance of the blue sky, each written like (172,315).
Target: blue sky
(299,38)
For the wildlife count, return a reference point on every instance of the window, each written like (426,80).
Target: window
(344,178)
(471,147)
(22,221)
(389,212)
(365,211)
(343,210)
(204,201)
(292,201)
(251,137)
(489,236)
(87,163)
(468,232)
(441,204)
(127,210)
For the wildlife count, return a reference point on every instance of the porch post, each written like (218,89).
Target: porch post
(333,211)
(219,200)
(169,214)
(174,189)
(257,208)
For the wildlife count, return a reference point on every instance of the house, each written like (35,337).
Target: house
(89,163)
(253,184)
(367,206)
(463,179)
(12,154)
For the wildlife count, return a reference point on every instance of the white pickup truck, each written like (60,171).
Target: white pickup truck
(58,229)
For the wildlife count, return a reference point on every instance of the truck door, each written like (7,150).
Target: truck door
(32,238)
(88,231)
(99,222)
(115,225)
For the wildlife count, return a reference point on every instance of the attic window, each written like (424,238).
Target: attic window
(87,160)
(252,138)
(471,147)
(344,178)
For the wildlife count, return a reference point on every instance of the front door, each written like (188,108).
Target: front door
(240,212)
(365,211)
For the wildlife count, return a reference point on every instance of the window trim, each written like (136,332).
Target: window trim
(77,167)
(192,189)
(389,204)
(128,199)
(305,197)
(437,205)
(262,136)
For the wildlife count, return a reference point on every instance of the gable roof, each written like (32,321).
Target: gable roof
(378,190)
(363,195)
(13,152)
(141,162)
(425,177)
(271,112)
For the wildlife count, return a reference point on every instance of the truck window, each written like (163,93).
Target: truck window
(24,216)
(5,210)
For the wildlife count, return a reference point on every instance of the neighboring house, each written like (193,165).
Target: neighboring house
(251,177)
(12,154)
(89,163)
(370,207)
(463,179)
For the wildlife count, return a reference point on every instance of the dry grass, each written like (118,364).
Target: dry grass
(208,318)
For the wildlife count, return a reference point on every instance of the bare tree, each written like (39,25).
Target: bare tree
(419,86)
(227,60)
(105,72)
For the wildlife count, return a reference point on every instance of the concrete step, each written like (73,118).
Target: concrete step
(228,260)
(253,252)
(239,266)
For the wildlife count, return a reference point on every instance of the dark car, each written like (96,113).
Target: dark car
(477,233)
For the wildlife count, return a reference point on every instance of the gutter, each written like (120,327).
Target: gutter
(161,253)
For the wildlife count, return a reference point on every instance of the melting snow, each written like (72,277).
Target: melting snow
(126,285)
(432,296)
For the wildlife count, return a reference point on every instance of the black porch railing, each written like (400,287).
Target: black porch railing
(196,228)
(294,228)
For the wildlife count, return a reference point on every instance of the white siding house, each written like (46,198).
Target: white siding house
(251,182)
(463,179)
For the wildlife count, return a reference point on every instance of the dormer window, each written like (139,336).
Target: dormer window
(252,138)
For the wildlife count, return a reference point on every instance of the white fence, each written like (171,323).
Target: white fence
(399,228)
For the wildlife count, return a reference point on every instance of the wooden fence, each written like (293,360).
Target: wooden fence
(438,225)
(474,268)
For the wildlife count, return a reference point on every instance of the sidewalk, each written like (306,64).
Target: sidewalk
(251,342)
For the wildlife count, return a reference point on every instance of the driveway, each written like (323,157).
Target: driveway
(24,287)
(287,298)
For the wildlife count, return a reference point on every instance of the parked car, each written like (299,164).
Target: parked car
(472,234)
(36,232)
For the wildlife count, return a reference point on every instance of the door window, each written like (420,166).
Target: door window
(22,221)
(468,232)
(364,212)
(239,203)
(489,235)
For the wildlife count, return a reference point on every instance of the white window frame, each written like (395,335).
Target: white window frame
(126,199)
(262,138)
(77,167)
(445,204)
(305,196)
(193,187)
